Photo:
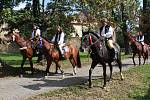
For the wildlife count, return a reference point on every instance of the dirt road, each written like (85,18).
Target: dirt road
(21,88)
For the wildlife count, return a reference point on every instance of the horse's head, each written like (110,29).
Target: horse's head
(13,35)
(88,40)
(131,38)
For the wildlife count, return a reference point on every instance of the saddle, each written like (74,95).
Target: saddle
(36,45)
(113,52)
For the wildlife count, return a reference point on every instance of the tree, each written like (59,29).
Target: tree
(117,11)
(36,9)
(145,22)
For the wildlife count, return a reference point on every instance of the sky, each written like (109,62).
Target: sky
(22,5)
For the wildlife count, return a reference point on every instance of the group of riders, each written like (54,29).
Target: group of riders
(105,31)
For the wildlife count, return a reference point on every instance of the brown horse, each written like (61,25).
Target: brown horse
(52,54)
(138,49)
(25,48)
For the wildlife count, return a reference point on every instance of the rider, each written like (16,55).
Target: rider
(140,38)
(107,32)
(58,39)
(37,34)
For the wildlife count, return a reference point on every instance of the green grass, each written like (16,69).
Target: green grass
(123,56)
(15,59)
(142,92)
(136,86)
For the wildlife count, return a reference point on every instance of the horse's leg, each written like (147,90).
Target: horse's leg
(120,68)
(56,72)
(94,63)
(111,69)
(49,62)
(139,59)
(22,70)
(145,57)
(72,61)
(104,74)
(133,59)
(31,65)
(59,66)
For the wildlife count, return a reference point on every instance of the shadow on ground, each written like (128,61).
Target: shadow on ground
(7,70)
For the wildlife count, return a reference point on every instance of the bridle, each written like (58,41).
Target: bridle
(91,43)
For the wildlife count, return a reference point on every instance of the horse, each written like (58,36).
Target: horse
(137,48)
(100,55)
(52,54)
(25,48)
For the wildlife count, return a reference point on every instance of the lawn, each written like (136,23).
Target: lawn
(136,86)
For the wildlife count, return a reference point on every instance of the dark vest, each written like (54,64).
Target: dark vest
(57,38)
(139,37)
(106,29)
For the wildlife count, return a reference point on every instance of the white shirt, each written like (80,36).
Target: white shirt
(38,32)
(108,34)
(61,41)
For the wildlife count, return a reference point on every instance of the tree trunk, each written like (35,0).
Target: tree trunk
(124,31)
(43,4)
(145,4)
(36,9)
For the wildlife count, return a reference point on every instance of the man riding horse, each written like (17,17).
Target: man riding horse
(140,39)
(59,41)
(37,34)
(107,32)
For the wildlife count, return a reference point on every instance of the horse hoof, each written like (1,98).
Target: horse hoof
(110,80)
(90,86)
(56,72)
(63,76)
(105,89)
(46,77)
(21,76)
(74,74)
(47,74)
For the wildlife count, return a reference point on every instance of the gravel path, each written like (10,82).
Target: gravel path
(22,88)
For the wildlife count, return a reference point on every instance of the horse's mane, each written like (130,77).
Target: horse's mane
(47,39)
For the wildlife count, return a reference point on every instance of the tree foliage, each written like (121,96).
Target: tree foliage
(62,12)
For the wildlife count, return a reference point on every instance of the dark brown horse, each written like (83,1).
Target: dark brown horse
(52,54)
(100,55)
(137,48)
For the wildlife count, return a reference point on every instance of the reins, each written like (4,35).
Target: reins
(91,41)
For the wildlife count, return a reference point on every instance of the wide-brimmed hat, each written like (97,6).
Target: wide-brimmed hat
(16,31)
(104,20)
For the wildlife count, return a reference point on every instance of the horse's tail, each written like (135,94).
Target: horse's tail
(78,61)
(146,54)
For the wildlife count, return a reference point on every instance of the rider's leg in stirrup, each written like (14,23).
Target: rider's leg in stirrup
(112,50)
(61,50)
